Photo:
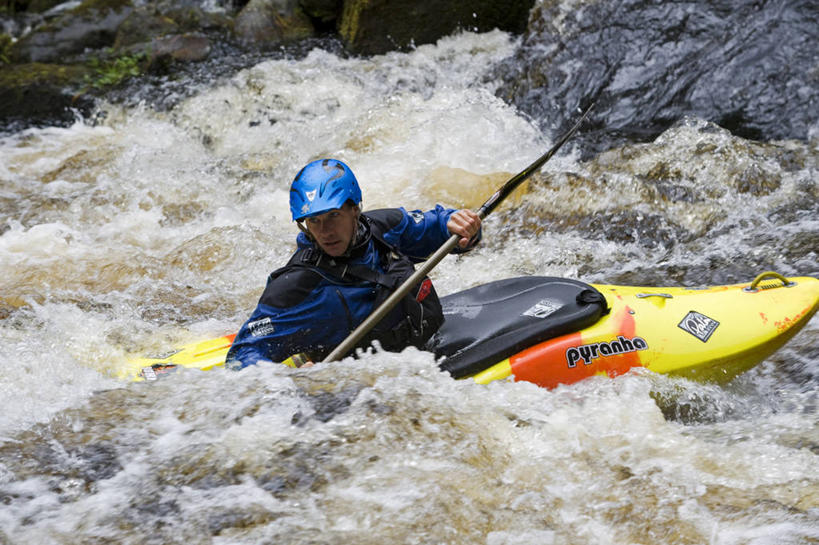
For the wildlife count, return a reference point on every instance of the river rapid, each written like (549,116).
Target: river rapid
(149,228)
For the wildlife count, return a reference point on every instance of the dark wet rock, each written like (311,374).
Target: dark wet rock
(328,405)
(668,183)
(97,461)
(745,65)
(272,22)
(71,469)
(52,7)
(235,518)
(192,18)
(143,25)
(631,227)
(91,25)
(34,93)
(682,403)
(755,181)
(176,47)
(621,225)
(182,47)
(40,6)
(153,505)
(377,27)
(323,13)
(176,33)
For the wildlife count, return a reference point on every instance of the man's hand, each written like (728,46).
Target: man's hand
(465,223)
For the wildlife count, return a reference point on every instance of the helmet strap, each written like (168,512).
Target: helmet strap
(305,230)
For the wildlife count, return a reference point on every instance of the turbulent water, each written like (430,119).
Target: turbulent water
(158,227)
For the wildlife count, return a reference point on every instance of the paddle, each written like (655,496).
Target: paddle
(424,269)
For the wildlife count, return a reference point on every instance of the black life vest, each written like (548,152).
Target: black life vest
(412,321)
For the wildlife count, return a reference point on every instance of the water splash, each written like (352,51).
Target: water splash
(159,226)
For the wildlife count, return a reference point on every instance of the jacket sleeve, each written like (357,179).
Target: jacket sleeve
(295,314)
(274,334)
(262,338)
(419,234)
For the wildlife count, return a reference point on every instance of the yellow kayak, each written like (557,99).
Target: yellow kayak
(203,355)
(556,331)
(711,334)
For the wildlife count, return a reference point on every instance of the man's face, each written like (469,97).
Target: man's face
(334,230)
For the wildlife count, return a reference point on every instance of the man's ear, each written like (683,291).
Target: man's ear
(304,230)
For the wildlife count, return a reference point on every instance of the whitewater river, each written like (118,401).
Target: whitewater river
(149,229)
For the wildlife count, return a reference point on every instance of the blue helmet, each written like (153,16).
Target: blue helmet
(321,186)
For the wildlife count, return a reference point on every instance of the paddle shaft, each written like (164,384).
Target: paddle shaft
(423,270)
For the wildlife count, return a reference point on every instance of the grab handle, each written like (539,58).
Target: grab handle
(765,275)
(663,295)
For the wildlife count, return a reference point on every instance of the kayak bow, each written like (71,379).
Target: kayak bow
(711,334)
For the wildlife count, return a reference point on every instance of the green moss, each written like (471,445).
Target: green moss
(111,72)
(25,75)
(5,48)
(350,17)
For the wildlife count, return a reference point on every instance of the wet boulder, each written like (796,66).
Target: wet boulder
(323,13)
(40,6)
(91,25)
(41,93)
(192,18)
(181,47)
(264,22)
(748,66)
(373,27)
(158,36)
(142,25)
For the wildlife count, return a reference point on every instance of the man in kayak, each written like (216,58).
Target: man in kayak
(347,263)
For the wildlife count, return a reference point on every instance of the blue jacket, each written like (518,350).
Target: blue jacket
(303,310)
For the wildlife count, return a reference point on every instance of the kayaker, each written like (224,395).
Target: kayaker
(347,263)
